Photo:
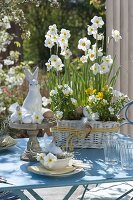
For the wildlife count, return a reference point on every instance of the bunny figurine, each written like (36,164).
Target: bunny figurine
(33,101)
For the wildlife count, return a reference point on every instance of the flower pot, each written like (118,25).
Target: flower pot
(99,129)
(83,139)
(70,134)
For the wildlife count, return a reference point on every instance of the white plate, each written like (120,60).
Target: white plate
(39,169)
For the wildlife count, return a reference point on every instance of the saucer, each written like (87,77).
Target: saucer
(67,171)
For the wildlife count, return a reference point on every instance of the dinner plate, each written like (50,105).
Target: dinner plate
(39,169)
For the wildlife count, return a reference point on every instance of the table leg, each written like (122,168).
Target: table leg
(34,194)
(86,188)
(21,195)
(125,194)
(71,191)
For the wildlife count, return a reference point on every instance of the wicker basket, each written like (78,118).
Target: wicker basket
(73,133)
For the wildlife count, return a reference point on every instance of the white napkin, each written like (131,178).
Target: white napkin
(50,146)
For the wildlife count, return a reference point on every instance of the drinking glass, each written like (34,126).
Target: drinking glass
(111,149)
(126,154)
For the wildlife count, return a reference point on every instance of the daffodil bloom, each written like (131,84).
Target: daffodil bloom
(95,68)
(97,21)
(116,35)
(84,44)
(105,88)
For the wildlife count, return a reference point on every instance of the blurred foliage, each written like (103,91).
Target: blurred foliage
(73,15)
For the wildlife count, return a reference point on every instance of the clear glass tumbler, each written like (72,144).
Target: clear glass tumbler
(126,154)
(111,149)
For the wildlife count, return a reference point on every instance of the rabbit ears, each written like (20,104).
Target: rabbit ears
(29,75)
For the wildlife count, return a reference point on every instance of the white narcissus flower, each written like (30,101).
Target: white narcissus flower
(58,66)
(104,68)
(66,53)
(108,60)
(53,29)
(95,116)
(74,101)
(92,54)
(53,92)
(62,42)
(95,68)
(59,114)
(91,30)
(60,86)
(116,35)
(49,66)
(84,44)
(49,43)
(111,110)
(99,36)
(49,159)
(84,59)
(97,21)
(37,118)
(65,33)
(55,38)
(100,52)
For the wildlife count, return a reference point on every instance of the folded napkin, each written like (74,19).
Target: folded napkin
(6,141)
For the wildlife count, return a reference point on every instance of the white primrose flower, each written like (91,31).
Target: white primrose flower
(65,33)
(49,43)
(108,60)
(92,98)
(94,116)
(95,68)
(92,54)
(84,59)
(97,21)
(49,66)
(45,101)
(111,110)
(116,35)
(37,118)
(74,101)
(53,29)
(53,92)
(104,68)
(67,53)
(59,115)
(92,30)
(84,44)
(60,86)
(40,156)
(49,159)
(67,91)
(8,62)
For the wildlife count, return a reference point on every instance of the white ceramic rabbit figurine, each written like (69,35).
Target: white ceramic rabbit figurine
(33,101)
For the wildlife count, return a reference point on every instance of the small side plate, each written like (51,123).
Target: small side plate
(39,169)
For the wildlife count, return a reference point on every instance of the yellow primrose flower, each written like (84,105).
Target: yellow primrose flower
(90,91)
(105,88)
(100,95)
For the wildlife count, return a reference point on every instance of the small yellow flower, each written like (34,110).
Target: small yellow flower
(100,95)
(90,91)
(105,88)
